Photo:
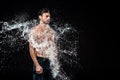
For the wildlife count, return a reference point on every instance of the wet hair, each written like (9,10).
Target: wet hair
(44,10)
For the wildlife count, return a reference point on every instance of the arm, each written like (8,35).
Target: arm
(35,61)
(33,56)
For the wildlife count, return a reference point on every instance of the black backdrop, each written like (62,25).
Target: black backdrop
(88,18)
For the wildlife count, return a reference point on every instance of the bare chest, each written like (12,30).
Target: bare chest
(42,35)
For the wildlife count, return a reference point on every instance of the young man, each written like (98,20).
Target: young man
(42,45)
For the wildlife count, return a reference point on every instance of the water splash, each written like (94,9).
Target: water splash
(13,33)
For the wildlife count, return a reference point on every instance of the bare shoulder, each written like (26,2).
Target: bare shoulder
(34,29)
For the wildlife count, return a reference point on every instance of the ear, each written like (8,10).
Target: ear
(40,17)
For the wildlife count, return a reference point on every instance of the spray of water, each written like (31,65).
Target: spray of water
(63,50)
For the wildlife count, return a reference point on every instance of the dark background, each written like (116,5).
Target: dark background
(90,19)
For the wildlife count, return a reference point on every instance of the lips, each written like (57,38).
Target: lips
(48,20)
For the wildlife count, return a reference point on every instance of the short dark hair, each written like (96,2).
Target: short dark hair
(44,10)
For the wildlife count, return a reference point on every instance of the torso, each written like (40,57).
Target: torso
(44,37)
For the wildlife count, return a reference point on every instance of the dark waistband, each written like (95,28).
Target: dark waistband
(42,58)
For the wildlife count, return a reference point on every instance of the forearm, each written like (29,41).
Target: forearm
(33,56)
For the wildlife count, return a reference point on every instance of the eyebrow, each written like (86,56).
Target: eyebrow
(47,15)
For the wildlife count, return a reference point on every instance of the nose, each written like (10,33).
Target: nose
(48,18)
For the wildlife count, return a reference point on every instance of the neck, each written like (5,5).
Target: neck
(42,23)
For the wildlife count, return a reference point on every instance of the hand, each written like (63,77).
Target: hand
(39,69)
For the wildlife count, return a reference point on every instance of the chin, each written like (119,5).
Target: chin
(47,22)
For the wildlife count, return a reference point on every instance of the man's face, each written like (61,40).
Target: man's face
(45,18)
